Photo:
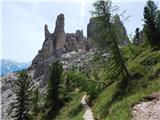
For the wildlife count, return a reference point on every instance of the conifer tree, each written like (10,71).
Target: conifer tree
(136,36)
(107,40)
(53,83)
(22,88)
(152,26)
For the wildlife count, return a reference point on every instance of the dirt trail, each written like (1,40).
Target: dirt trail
(88,115)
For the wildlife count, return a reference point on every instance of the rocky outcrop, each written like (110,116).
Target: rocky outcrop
(7,95)
(53,41)
(59,34)
(56,44)
(148,110)
(46,31)
(94,30)
(75,41)
(121,32)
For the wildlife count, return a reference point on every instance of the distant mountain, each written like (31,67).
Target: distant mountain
(8,66)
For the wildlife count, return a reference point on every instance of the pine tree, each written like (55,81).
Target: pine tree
(151,19)
(136,37)
(53,83)
(158,21)
(108,38)
(22,88)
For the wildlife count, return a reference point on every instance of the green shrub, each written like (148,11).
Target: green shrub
(77,79)
(151,59)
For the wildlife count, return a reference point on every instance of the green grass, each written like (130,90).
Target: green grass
(147,66)
(73,109)
(121,109)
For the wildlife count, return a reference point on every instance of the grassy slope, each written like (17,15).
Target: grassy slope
(73,109)
(145,66)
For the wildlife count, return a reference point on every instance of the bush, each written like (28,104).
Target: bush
(80,80)
(151,59)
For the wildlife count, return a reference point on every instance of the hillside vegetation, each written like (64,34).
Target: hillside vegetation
(144,65)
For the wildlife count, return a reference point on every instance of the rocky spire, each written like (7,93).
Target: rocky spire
(46,31)
(59,32)
(94,30)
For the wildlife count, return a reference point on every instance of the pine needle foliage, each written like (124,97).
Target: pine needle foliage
(22,88)
(108,39)
(53,90)
(152,24)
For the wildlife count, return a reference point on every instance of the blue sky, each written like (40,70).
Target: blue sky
(23,21)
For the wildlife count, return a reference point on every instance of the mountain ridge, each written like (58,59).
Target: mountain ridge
(8,66)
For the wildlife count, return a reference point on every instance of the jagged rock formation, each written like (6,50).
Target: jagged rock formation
(46,31)
(93,30)
(75,41)
(122,33)
(56,44)
(59,34)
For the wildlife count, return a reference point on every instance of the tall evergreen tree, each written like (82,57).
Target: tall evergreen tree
(53,83)
(158,20)
(22,88)
(136,36)
(151,19)
(107,41)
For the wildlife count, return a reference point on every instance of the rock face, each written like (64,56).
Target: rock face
(56,44)
(93,30)
(6,95)
(122,33)
(59,34)
(75,41)
(46,31)
(53,41)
